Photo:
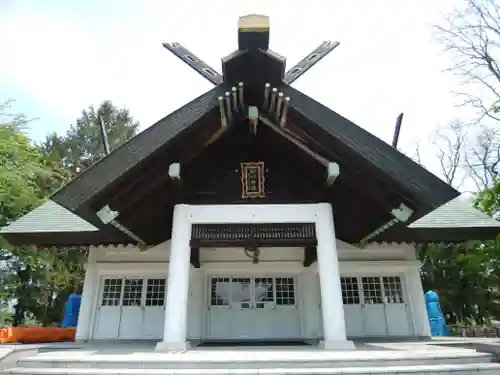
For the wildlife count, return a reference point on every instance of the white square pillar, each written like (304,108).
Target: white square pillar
(417,302)
(174,334)
(84,325)
(329,276)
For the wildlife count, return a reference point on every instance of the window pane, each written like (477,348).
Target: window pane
(285,291)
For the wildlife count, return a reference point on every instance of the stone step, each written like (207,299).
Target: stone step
(222,361)
(437,369)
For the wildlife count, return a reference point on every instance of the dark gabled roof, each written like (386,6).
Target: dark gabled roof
(131,154)
(370,161)
(333,132)
(135,175)
(426,191)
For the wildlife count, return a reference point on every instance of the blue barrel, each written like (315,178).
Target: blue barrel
(71,312)
(437,321)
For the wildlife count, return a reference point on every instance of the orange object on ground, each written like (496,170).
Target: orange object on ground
(34,335)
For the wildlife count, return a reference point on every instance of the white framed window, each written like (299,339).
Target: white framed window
(350,290)
(263,292)
(220,291)
(393,289)
(252,292)
(132,292)
(372,290)
(111,292)
(155,292)
(285,291)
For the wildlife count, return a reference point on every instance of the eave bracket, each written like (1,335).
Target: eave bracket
(400,214)
(108,216)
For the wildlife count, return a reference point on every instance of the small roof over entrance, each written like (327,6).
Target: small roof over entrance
(251,139)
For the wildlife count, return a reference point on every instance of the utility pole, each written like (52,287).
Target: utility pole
(104,135)
(395,138)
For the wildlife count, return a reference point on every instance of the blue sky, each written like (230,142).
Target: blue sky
(62,56)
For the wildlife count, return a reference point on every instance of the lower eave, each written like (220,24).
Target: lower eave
(444,235)
(418,235)
(65,239)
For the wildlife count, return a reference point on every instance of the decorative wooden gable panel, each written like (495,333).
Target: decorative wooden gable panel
(252,180)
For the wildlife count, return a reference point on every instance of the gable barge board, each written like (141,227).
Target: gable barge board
(114,167)
(129,197)
(421,188)
(155,167)
(157,188)
(356,177)
(353,169)
(178,150)
(355,180)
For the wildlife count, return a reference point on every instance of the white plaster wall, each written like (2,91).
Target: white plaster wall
(161,252)
(124,254)
(373,259)
(115,262)
(267,254)
(412,287)
(375,251)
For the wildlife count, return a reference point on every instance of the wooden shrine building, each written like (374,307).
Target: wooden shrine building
(252,213)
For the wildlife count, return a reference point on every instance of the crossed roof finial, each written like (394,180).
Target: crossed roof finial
(253,33)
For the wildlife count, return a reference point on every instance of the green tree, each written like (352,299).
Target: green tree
(41,280)
(21,168)
(79,148)
(22,173)
(466,278)
(6,317)
(82,145)
(488,200)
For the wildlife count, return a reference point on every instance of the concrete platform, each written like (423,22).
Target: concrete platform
(429,358)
